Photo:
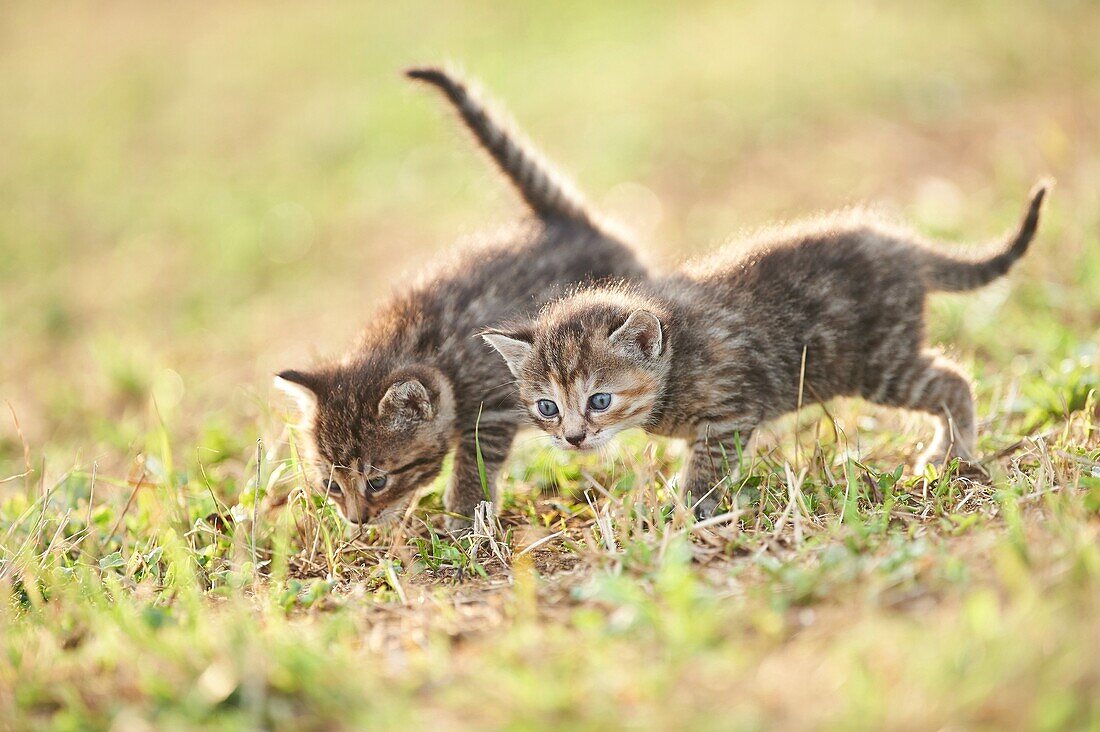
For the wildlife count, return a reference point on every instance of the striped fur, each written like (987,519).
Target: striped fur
(803,314)
(379,422)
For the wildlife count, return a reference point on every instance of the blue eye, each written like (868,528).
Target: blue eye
(377,483)
(547,408)
(599,402)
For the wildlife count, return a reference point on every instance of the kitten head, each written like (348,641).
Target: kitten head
(374,433)
(591,366)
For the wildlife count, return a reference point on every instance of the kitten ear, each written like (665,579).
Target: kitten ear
(515,347)
(406,403)
(304,388)
(640,336)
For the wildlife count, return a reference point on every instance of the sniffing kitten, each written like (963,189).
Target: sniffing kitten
(381,420)
(829,308)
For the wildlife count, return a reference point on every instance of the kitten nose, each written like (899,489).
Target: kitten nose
(575,440)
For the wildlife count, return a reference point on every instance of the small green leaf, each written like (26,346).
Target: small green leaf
(481,461)
(112,561)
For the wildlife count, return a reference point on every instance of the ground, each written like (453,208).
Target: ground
(195,196)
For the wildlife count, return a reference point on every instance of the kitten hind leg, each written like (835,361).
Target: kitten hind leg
(465,491)
(937,386)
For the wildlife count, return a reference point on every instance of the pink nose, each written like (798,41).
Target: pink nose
(575,440)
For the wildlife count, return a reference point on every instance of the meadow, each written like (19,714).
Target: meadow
(195,196)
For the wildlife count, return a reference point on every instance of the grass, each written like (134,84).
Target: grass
(197,198)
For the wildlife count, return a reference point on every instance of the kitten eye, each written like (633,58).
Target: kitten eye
(333,488)
(378,482)
(547,408)
(599,402)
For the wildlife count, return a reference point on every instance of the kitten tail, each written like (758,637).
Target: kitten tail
(943,272)
(548,194)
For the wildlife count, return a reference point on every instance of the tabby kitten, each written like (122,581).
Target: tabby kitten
(380,420)
(824,309)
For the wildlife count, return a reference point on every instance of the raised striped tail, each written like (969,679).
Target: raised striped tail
(949,273)
(547,193)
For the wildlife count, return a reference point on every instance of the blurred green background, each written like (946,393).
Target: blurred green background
(194,195)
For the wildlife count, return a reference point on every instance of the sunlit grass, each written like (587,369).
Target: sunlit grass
(912,603)
(198,196)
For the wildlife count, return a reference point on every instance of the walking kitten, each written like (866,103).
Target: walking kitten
(380,421)
(828,308)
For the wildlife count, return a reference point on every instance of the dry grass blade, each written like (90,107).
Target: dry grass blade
(125,509)
(538,543)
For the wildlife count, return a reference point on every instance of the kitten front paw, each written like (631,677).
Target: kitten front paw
(969,468)
(935,459)
(706,507)
(461,501)
(457,524)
